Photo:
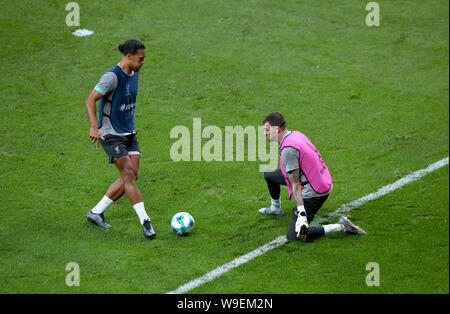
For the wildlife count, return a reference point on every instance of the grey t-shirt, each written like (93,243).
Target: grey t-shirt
(106,86)
(290,158)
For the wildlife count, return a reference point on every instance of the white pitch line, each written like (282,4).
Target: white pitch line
(229,266)
(282,239)
(386,189)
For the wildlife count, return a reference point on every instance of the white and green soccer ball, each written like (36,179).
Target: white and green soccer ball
(182,223)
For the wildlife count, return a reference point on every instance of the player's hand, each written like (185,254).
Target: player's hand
(95,135)
(301,227)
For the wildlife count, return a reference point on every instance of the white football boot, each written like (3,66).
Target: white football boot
(270,211)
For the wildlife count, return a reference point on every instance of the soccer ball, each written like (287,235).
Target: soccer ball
(182,223)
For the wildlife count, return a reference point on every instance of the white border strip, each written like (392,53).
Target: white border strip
(282,239)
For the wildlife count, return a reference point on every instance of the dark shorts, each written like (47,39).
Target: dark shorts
(119,146)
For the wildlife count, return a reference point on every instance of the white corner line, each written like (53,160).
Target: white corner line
(282,239)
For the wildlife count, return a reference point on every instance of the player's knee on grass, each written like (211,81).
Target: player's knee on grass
(314,232)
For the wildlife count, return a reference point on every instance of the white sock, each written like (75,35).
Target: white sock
(333,228)
(102,205)
(276,204)
(140,211)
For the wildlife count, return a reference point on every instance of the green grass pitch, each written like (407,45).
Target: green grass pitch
(374,100)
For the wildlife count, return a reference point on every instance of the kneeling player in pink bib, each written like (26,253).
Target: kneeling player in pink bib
(308,180)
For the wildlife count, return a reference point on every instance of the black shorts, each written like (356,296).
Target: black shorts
(119,146)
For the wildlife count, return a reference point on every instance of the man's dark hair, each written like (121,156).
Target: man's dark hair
(131,46)
(275,119)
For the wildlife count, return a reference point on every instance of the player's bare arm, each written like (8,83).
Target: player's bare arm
(94,133)
(294,179)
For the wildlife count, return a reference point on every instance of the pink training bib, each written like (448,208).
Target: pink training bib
(310,162)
